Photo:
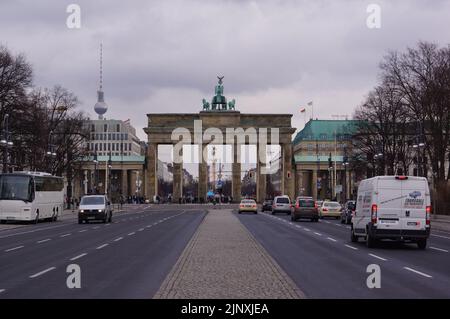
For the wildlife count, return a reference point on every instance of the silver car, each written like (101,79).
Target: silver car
(94,207)
(281,204)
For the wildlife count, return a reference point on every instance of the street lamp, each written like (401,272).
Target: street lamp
(6,142)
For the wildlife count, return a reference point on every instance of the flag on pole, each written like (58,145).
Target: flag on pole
(310,103)
(302,110)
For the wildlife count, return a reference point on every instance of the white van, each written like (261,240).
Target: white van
(392,207)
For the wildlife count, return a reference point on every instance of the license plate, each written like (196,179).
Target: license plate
(388,221)
(412,224)
(91,217)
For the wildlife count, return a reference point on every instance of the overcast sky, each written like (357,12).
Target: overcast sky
(164,56)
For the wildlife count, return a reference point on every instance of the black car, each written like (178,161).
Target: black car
(347,212)
(267,205)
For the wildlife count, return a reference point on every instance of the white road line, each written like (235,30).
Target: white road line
(318,234)
(42,272)
(65,235)
(102,246)
(440,236)
(78,257)
(96,227)
(141,229)
(82,231)
(418,272)
(439,249)
(117,239)
(298,226)
(44,240)
(2,290)
(332,239)
(378,257)
(307,229)
(326,221)
(131,234)
(15,248)
(351,247)
(338,225)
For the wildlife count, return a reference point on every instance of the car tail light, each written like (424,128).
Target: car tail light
(428,215)
(297,205)
(401,178)
(324,209)
(253,206)
(315,204)
(374,213)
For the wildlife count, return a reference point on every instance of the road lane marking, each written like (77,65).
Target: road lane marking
(378,257)
(102,246)
(65,235)
(418,272)
(33,231)
(318,234)
(440,236)
(96,227)
(326,221)
(351,247)
(141,229)
(43,241)
(117,239)
(78,257)
(82,231)
(298,226)
(307,229)
(15,248)
(42,272)
(332,239)
(2,290)
(131,234)
(439,249)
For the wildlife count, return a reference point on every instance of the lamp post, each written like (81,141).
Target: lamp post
(95,173)
(379,157)
(345,162)
(50,152)
(6,142)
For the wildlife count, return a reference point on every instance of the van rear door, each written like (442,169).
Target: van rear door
(413,210)
(389,203)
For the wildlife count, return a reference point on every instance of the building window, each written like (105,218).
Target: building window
(126,146)
(105,128)
(114,136)
(129,146)
(109,136)
(113,146)
(118,127)
(109,146)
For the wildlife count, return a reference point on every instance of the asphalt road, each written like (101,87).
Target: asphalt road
(128,258)
(324,263)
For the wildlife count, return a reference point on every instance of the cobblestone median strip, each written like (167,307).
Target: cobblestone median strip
(223,260)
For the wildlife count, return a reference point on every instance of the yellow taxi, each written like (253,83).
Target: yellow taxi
(248,205)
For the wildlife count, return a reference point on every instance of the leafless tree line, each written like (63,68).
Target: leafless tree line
(45,127)
(409,106)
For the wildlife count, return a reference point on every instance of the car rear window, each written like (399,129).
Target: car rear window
(283,200)
(248,201)
(306,203)
(332,205)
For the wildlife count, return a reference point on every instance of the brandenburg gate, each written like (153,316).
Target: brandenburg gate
(203,129)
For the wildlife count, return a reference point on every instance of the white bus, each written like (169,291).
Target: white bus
(30,196)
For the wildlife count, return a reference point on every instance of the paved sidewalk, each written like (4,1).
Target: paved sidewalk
(440,222)
(223,260)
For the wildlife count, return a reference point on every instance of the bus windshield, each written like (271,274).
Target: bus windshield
(15,187)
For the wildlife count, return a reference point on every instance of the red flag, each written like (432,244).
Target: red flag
(302,110)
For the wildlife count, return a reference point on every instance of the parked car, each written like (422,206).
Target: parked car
(267,205)
(393,207)
(94,207)
(281,204)
(248,205)
(348,211)
(305,207)
(330,209)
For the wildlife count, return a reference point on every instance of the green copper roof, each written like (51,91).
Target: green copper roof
(324,130)
(116,159)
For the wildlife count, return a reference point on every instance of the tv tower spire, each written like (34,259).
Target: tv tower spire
(101,107)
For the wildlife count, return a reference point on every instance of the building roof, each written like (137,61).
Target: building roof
(116,159)
(324,130)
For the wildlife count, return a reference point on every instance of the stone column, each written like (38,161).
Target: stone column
(202,172)
(124,185)
(288,178)
(314,184)
(298,182)
(151,180)
(261,176)
(177,176)
(236,173)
